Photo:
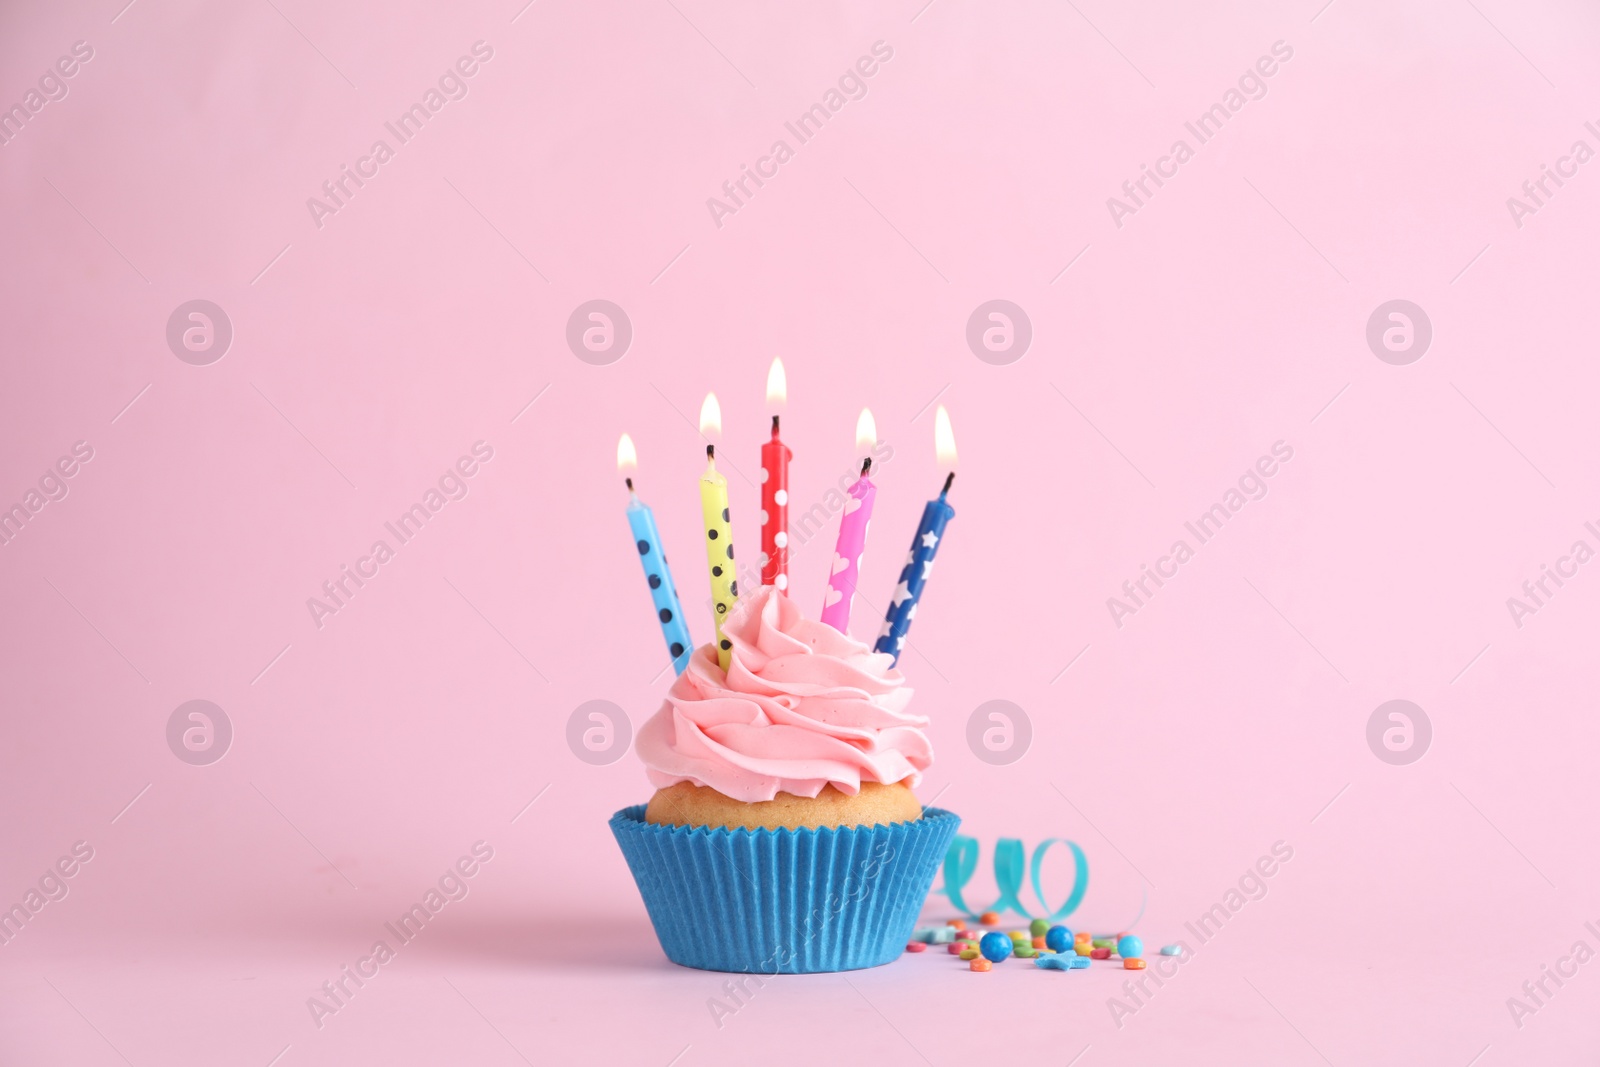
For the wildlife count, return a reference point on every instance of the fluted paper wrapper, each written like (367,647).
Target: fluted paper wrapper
(784,901)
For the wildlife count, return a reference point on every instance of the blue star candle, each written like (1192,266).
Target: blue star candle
(652,555)
(919,564)
(936,515)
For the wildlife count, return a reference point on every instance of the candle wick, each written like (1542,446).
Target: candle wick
(947,481)
(866,465)
(774,427)
(629,483)
(711,452)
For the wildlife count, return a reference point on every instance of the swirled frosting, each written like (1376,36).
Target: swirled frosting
(801,706)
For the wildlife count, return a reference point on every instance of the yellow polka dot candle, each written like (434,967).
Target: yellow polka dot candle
(719,531)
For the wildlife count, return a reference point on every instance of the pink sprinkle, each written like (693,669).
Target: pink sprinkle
(916,946)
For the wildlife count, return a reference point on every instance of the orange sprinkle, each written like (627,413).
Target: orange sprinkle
(959,924)
(1038,942)
(1133,965)
(990,918)
(981,964)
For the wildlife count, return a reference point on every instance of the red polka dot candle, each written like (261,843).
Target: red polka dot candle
(775,456)
(719,530)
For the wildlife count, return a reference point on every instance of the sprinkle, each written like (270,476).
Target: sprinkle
(916,946)
(969,953)
(995,947)
(1058,938)
(981,964)
(1133,965)
(1100,953)
(1054,963)
(990,918)
(1129,947)
(1038,927)
(1171,950)
(955,948)
(959,924)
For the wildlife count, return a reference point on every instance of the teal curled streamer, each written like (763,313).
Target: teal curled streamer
(959,862)
(1080,878)
(1011,869)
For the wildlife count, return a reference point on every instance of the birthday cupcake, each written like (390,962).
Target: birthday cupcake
(784,836)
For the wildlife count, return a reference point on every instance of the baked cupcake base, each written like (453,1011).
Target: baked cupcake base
(785,901)
(687,804)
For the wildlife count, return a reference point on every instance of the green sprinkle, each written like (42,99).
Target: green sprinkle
(1038,927)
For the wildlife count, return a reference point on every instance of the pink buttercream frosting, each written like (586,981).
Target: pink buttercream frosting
(801,705)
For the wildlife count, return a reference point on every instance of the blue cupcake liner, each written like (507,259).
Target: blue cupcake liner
(784,901)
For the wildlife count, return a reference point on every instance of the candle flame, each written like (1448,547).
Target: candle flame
(944,439)
(866,432)
(627,456)
(777,386)
(711,417)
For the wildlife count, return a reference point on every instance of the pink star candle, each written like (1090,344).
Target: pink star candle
(846,567)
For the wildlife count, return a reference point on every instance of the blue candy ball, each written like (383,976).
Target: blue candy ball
(995,947)
(1058,939)
(1130,948)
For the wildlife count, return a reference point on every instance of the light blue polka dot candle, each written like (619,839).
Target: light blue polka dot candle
(652,555)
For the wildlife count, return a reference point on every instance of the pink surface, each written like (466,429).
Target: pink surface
(430,322)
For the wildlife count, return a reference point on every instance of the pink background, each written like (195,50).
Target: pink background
(368,354)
